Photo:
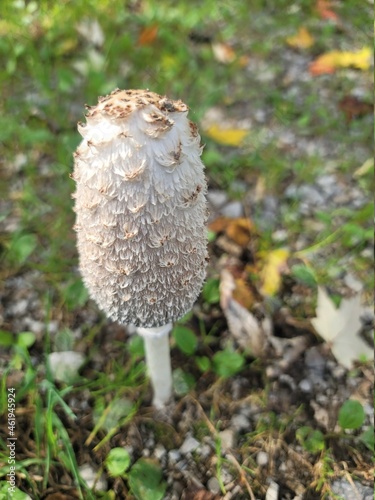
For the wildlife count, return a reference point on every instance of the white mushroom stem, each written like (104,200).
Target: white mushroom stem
(158,361)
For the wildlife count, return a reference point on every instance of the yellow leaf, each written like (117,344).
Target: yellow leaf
(228,137)
(302,40)
(274,265)
(327,63)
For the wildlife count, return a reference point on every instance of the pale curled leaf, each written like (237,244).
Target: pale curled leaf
(243,325)
(340,328)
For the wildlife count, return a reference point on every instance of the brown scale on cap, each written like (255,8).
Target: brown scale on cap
(121,103)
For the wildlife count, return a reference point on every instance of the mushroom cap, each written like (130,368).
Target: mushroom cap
(140,208)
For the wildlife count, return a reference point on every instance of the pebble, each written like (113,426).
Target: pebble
(305,385)
(227,438)
(240,422)
(213,485)
(233,209)
(174,456)
(262,458)
(88,474)
(344,489)
(159,451)
(217,198)
(189,445)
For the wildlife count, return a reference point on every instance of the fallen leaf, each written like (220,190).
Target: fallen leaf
(243,294)
(238,229)
(324,9)
(249,332)
(148,35)
(204,495)
(274,265)
(227,136)
(302,40)
(223,53)
(353,107)
(340,327)
(329,62)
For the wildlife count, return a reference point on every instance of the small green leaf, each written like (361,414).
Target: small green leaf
(7,338)
(367,438)
(351,415)
(203,363)
(228,363)
(136,346)
(16,494)
(211,291)
(117,461)
(26,339)
(22,247)
(185,338)
(75,295)
(304,274)
(145,480)
(311,439)
(182,382)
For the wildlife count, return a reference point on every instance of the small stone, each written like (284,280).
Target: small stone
(217,198)
(213,485)
(88,474)
(234,209)
(240,422)
(305,385)
(159,451)
(174,456)
(262,458)
(189,445)
(227,438)
(348,491)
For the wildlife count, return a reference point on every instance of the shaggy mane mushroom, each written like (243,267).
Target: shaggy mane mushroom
(140,217)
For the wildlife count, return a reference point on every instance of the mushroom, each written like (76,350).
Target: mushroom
(140,217)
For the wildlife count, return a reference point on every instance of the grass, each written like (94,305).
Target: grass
(50,70)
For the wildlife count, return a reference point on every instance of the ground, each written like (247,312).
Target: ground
(264,405)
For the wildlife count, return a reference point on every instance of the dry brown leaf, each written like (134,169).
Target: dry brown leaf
(353,107)
(302,40)
(205,495)
(148,35)
(243,325)
(243,294)
(239,230)
(324,9)
(219,225)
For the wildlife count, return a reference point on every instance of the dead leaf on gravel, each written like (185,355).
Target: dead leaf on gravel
(204,495)
(238,230)
(330,61)
(148,35)
(325,10)
(340,328)
(301,40)
(353,107)
(249,332)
